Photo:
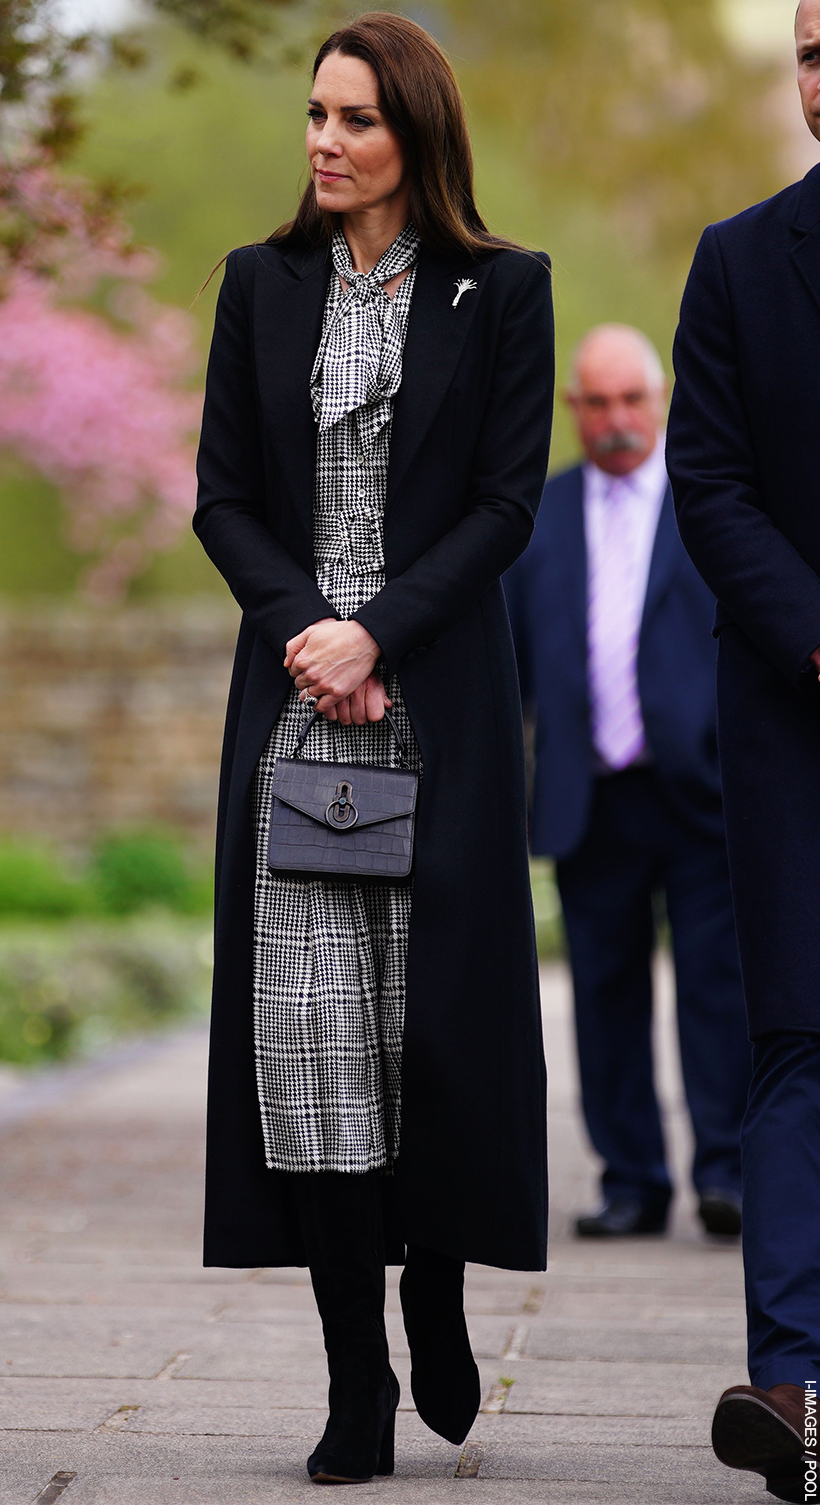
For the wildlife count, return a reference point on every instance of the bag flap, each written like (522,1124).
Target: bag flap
(378,794)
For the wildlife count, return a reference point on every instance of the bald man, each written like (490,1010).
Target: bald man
(744,456)
(612,626)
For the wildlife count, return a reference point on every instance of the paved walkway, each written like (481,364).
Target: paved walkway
(131,1376)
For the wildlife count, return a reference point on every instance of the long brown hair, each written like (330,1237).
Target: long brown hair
(420,99)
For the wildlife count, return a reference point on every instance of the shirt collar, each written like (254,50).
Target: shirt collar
(648,481)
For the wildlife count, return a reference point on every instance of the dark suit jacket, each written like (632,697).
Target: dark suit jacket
(547,599)
(469,450)
(744,459)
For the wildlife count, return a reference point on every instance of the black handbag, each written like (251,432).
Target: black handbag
(348,821)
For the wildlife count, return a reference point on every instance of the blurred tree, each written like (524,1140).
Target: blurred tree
(244,28)
(39,53)
(642,107)
(95,404)
(35,61)
(95,401)
(609,133)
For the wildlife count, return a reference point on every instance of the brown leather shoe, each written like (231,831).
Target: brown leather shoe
(764,1431)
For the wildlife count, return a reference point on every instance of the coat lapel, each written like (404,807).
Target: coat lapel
(293,323)
(664,557)
(571,549)
(806,253)
(436,332)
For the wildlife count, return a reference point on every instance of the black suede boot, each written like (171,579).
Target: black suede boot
(341,1222)
(444,1378)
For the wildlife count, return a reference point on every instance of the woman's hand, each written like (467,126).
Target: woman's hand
(331,660)
(365,704)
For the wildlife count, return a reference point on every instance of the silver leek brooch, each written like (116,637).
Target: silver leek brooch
(464,285)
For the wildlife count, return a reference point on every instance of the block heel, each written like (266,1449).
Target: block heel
(387,1450)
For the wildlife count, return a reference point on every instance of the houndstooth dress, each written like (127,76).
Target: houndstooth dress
(329,958)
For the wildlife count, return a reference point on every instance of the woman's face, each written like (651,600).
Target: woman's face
(356,159)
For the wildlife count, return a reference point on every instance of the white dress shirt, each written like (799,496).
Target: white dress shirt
(642,494)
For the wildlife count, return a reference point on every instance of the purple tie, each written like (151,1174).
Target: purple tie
(613,625)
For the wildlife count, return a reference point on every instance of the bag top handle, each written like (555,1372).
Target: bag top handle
(388,716)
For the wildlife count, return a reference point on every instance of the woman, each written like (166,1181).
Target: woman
(374,444)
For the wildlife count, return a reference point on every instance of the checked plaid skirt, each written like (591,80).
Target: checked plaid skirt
(329,958)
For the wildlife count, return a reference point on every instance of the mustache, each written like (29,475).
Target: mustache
(619,440)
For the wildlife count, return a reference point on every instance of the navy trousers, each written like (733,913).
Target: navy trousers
(781,1214)
(636,847)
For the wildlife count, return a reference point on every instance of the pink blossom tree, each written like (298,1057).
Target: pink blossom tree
(98,404)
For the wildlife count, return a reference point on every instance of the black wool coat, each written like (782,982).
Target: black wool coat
(744,460)
(469,453)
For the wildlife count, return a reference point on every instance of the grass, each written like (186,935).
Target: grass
(126,872)
(74,989)
(549,929)
(93,952)
(121,945)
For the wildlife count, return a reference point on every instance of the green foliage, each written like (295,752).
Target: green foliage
(224,162)
(74,989)
(226,166)
(609,134)
(81,981)
(642,107)
(135,870)
(38,56)
(549,930)
(34,881)
(34,53)
(619,209)
(241,27)
(35,558)
(128,872)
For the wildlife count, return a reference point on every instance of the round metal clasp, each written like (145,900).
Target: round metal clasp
(341,812)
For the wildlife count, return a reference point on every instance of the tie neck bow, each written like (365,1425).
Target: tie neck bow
(362,285)
(358,363)
(367,286)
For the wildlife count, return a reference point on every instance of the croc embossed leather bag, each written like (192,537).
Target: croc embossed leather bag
(342,820)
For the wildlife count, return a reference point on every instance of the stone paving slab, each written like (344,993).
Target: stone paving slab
(620,1468)
(600,1430)
(118,1470)
(244,1409)
(664,1311)
(155,1381)
(115,1282)
(636,1344)
(38,1405)
(81,1341)
(616,1389)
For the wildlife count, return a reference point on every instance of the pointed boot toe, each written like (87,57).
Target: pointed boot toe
(444,1377)
(448,1403)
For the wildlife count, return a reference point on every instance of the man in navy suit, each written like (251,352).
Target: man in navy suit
(612,626)
(744,457)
